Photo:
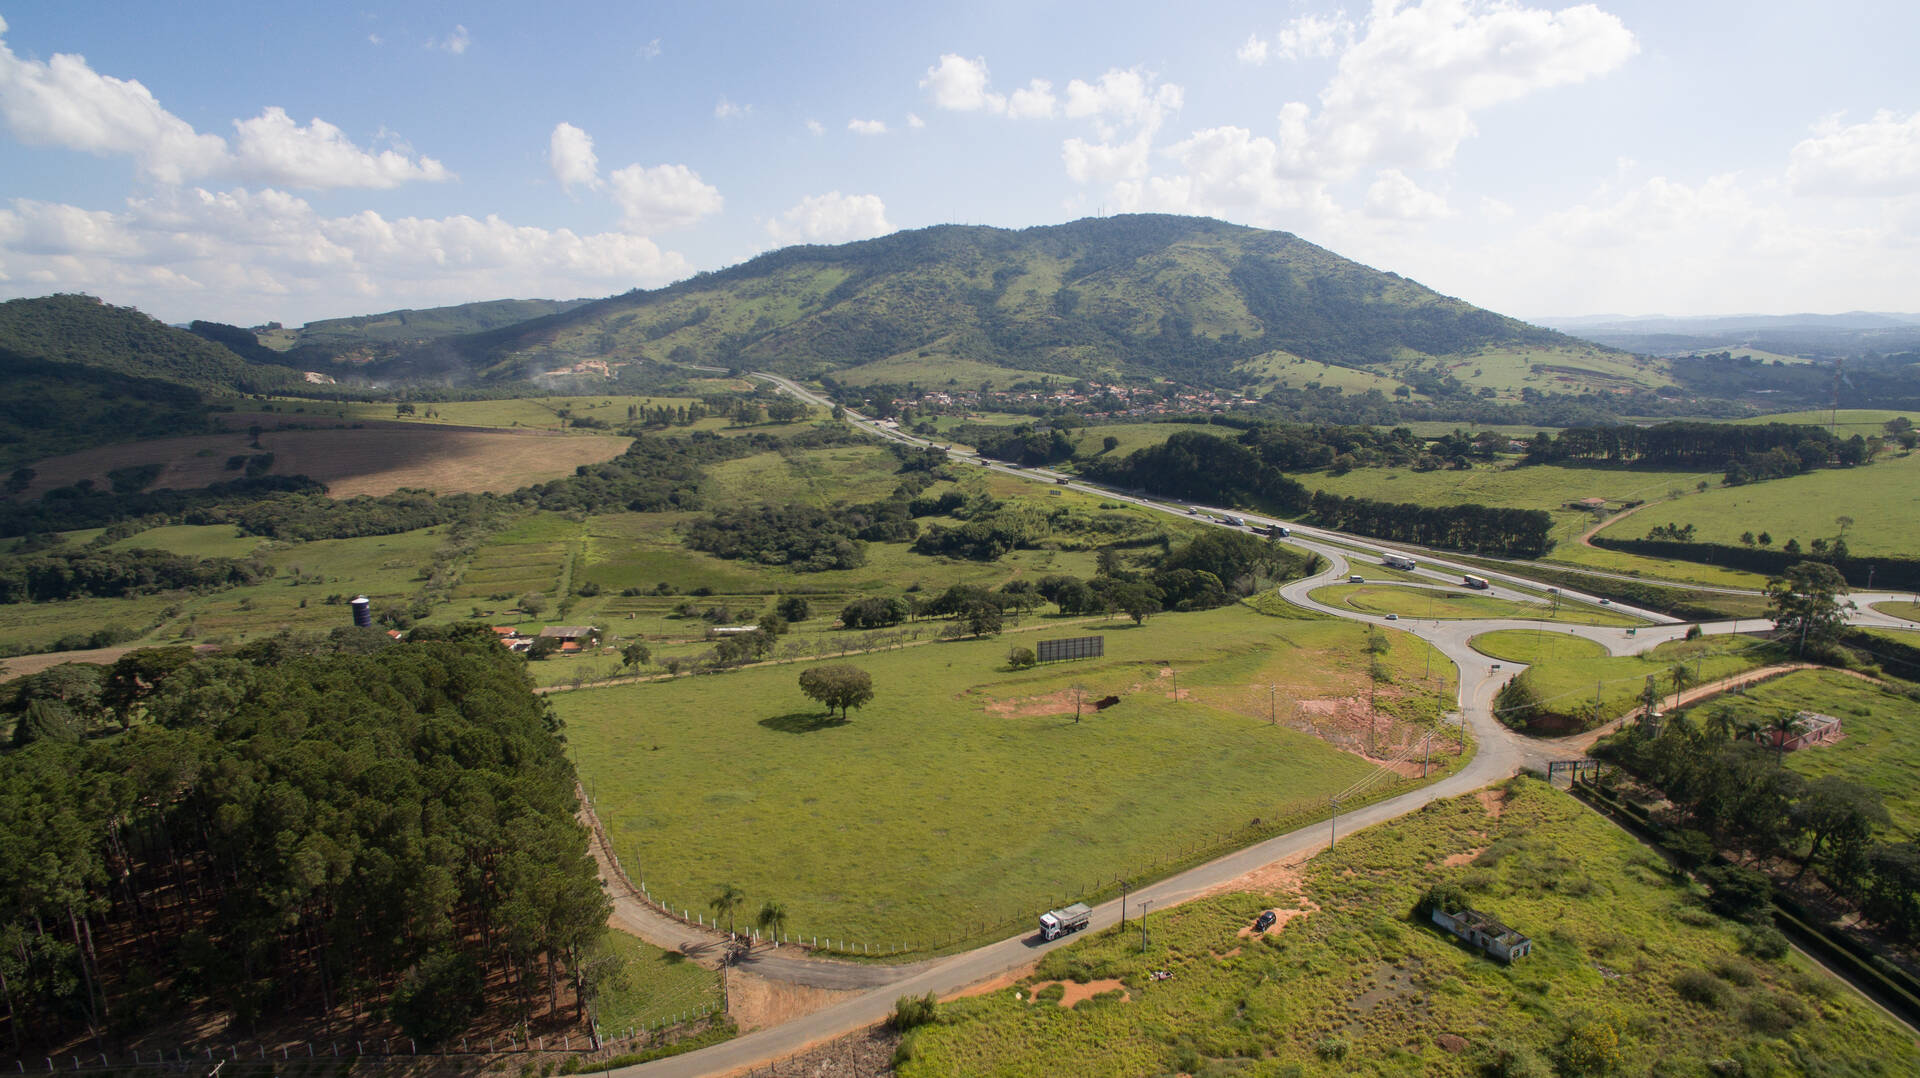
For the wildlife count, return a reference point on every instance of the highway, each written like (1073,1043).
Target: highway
(1500,753)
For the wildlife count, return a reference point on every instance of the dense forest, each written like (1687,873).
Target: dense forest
(334,830)
(119,574)
(81,330)
(1750,451)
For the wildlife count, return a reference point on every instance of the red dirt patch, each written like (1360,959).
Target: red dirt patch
(1465,858)
(1280,877)
(756,1002)
(1228,954)
(1280,919)
(1494,801)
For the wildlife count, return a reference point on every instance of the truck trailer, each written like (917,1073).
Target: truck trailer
(1472,581)
(1057,923)
(1397,561)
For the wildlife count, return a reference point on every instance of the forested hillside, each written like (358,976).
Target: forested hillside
(83,331)
(322,829)
(1146,294)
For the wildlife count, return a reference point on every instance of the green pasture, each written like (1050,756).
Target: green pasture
(819,477)
(1883,499)
(1881,748)
(1293,372)
(1909,611)
(1845,422)
(35,626)
(1569,551)
(650,987)
(534,413)
(1571,672)
(965,798)
(1430,603)
(1571,368)
(1357,986)
(1089,442)
(194,540)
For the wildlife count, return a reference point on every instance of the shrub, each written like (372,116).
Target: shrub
(1020,658)
(1699,986)
(1331,1049)
(1738,892)
(912,1012)
(1763,942)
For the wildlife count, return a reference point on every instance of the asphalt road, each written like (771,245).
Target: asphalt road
(1500,753)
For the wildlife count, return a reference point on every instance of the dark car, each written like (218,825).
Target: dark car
(1264,921)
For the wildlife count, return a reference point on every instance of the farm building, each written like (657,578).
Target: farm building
(578,635)
(1809,728)
(1485,932)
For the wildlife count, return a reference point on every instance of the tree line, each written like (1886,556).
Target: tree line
(119,574)
(354,830)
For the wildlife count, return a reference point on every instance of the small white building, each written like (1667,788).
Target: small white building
(1485,932)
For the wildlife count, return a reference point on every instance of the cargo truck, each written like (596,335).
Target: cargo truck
(1396,561)
(1472,581)
(1057,923)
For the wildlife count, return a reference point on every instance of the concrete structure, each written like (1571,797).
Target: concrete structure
(1485,932)
(1809,728)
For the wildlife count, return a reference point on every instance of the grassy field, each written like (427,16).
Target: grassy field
(653,987)
(966,795)
(850,473)
(1428,603)
(1882,744)
(1910,611)
(194,540)
(372,460)
(1847,422)
(931,369)
(1570,671)
(1571,552)
(525,413)
(1357,986)
(1882,498)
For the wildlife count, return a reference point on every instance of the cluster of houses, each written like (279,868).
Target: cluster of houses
(1131,401)
(569,638)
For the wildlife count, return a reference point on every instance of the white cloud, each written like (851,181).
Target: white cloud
(1404,95)
(1129,96)
(64,102)
(1880,157)
(1253,50)
(914,120)
(867,127)
(662,197)
(650,50)
(273,149)
(1103,162)
(247,256)
(1033,101)
(455,42)
(570,154)
(960,84)
(831,218)
(1395,197)
(727,110)
(816,127)
(376,39)
(1312,36)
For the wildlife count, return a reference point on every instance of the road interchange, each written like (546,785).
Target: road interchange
(1500,752)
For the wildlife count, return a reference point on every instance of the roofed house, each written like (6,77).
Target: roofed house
(578,635)
(1484,931)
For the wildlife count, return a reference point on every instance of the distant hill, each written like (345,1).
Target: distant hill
(373,337)
(51,408)
(1191,298)
(81,330)
(1805,335)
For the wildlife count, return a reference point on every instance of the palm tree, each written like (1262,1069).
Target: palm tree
(726,902)
(1750,729)
(772,920)
(1721,723)
(1681,678)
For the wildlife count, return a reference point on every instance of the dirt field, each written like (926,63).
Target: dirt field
(376,459)
(22,665)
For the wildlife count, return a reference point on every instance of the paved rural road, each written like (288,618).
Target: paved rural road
(1500,753)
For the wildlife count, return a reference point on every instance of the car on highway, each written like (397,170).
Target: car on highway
(1393,617)
(1606,602)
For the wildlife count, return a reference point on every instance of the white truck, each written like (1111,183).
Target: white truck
(1057,923)
(1397,561)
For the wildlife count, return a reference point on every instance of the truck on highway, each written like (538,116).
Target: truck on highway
(1472,581)
(1397,561)
(1279,531)
(1231,522)
(1057,923)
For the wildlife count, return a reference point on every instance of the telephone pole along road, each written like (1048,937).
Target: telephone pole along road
(1500,753)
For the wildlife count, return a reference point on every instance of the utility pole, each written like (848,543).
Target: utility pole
(1427,746)
(1123,903)
(1333,823)
(1143,924)
(1272,716)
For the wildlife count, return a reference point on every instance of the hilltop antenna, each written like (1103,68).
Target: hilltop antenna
(1833,415)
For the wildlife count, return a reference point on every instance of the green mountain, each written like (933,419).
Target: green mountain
(376,337)
(1190,298)
(81,330)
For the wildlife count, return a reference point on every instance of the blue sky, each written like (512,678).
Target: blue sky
(242,163)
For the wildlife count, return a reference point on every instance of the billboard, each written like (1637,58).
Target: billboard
(1072,647)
